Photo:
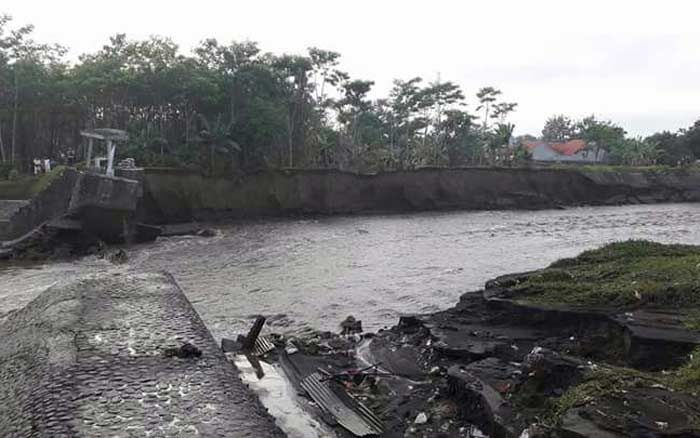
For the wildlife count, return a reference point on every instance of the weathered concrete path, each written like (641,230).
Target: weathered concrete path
(87,359)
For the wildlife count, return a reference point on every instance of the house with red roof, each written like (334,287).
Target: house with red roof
(572,151)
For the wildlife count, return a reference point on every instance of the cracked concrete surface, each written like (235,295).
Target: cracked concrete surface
(86,359)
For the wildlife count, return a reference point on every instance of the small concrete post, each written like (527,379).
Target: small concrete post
(89,152)
(111,147)
(253,334)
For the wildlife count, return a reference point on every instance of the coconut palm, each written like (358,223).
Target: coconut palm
(215,137)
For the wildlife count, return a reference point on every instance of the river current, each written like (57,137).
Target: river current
(312,273)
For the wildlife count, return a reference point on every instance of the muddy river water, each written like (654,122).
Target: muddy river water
(312,273)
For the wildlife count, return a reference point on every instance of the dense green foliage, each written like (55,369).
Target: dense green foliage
(230,107)
(227,108)
(625,274)
(663,148)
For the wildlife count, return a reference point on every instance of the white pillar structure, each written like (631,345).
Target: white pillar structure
(111,136)
(89,151)
(111,149)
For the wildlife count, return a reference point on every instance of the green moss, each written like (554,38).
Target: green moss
(692,320)
(687,378)
(625,274)
(17,189)
(28,186)
(604,381)
(45,180)
(630,274)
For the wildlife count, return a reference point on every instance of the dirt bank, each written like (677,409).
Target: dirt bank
(180,196)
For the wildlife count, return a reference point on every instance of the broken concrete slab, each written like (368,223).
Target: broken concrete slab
(482,405)
(92,358)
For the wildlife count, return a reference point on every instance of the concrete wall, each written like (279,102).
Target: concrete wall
(51,202)
(176,196)
(103,201)
(100,191)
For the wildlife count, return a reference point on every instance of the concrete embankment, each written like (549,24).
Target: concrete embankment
(178,196)
(104,356)
(97,203)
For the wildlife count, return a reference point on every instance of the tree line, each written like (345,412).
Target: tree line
(226,108)
(667,148)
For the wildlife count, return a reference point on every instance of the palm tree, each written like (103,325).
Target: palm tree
(501,138)
(216,137)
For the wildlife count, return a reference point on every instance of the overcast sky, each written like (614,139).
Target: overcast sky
(635,62)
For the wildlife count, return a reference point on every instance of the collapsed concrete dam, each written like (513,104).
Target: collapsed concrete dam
(95,358)
(172,195)
(91,202)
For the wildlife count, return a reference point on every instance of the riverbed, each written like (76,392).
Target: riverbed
(310,273)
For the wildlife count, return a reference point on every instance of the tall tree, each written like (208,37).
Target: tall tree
(487,96)
(601,132)
(353,104)
(558,128)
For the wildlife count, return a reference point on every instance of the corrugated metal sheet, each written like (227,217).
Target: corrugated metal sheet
(350,413)
(262,346)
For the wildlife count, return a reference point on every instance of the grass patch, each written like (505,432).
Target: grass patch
(17,189)
(28,186)
(628,274)
(687,378)
(622,275)
(692,320)
(47,179)
(607,381)
(603,381)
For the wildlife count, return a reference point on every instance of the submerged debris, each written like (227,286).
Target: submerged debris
(207,232)
(351,326)
(185,351)
(119,257)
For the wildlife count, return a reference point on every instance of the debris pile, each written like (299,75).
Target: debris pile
(497,365)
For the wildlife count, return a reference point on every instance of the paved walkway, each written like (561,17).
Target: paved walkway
(87,359)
